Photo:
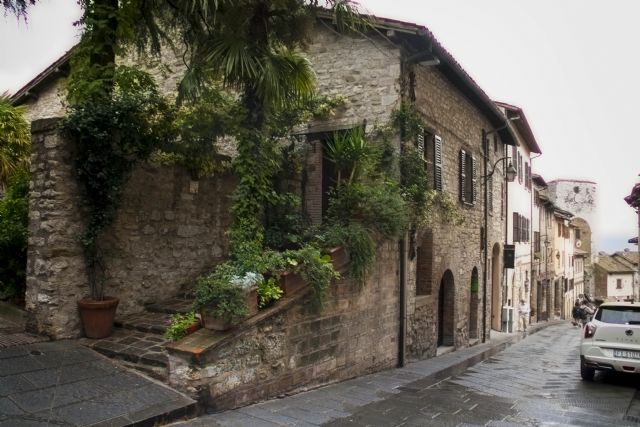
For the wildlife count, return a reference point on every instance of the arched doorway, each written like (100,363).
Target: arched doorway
(496,294)
(446,304)
(473,304)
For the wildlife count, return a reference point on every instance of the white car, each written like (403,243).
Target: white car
(611,340)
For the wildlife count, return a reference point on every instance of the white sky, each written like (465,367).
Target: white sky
(572,65)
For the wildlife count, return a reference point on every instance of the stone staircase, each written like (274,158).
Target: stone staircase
(138,340)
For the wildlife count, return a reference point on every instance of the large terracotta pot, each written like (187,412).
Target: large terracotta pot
(218,323)
(291,283)
(97,316)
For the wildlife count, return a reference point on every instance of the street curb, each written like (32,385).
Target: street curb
(461,366)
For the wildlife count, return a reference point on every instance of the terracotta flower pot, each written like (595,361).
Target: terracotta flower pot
(339,258)
(97,316)
(216,323)
(291,283)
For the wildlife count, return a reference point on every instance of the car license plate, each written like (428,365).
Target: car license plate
(627,354)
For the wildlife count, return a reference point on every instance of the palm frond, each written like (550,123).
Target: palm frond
(287,76)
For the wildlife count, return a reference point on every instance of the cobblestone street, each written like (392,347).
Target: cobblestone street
(533,382)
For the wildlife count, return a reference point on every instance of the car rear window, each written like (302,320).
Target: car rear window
(619,315)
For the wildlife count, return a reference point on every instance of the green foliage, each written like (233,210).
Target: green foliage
(414,184)
(284,222)
(14,211)
(315,269)
(15,140)
(111,136)
(359,243)
(268,292)
(199,125)
(216,293)
(378,206)
(180,322)
(352,155)
(408,121)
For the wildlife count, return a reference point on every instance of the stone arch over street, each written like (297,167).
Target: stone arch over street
(496,294)
(446,310)
(474,297)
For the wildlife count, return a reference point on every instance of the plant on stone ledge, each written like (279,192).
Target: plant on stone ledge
(180,324)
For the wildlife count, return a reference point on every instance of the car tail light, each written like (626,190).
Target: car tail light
(589,330)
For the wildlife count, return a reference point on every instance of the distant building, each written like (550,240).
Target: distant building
(613,278)
(580,198)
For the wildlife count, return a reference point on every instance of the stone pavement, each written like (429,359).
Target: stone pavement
(338,401)
(63,383)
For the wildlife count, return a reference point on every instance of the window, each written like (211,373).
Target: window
(536,241)
(618,283)
(577,234)
(521,230)
(527,173)
(468,174)
(437,163)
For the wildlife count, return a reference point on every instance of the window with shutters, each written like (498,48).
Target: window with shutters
(437,163)
(516,227)
(468,178)
(526,175)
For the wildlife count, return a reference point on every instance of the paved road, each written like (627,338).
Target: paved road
(535,382)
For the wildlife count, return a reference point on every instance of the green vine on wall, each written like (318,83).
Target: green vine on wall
(111,136)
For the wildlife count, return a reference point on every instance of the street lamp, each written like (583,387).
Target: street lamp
(510,173)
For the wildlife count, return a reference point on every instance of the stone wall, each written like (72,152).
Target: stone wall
(168,231)
(448,114)
(298,349)
(56,275)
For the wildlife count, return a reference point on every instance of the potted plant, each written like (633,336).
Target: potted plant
(181,325)
(269,291)
(225,297)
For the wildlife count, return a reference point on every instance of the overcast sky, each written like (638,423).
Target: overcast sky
(572,65)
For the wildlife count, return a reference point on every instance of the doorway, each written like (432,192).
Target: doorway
(446,303)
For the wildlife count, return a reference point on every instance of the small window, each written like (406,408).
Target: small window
(468,174)
(618,283)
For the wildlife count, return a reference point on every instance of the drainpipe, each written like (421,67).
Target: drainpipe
(403,301)
(506,236)
(485,244)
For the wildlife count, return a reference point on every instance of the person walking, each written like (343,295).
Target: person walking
(586,313)
(523,315)
(576,314)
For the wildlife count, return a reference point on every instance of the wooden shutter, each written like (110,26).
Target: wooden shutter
(474,180)
(514,157)
(462,176)
(420,141)
(437,154)
(516,227)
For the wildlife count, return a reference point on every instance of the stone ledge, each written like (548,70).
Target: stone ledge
(204,340)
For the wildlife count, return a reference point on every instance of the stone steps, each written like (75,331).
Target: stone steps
(138,340)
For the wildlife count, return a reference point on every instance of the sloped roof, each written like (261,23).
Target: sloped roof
(421,40)
(522,125)
(627,256)
(611,265)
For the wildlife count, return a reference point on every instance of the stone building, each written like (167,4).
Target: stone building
(519,277)
(580,198)
(614,278)
(434,289)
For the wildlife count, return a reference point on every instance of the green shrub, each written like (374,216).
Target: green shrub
(217,294)
(179,323)
(269,291)
(359,244)
(14,211)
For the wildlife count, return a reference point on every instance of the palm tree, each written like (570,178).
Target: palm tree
(15,140)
